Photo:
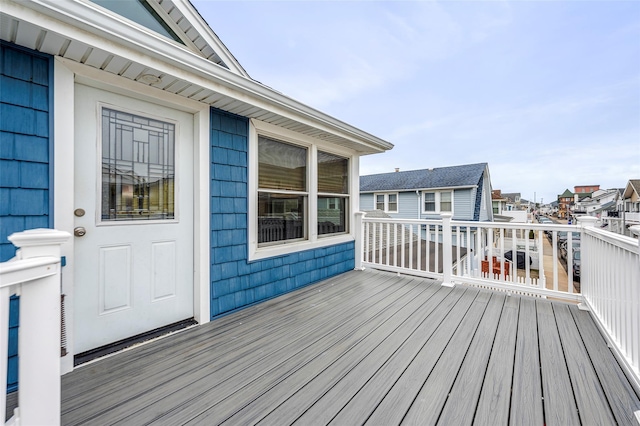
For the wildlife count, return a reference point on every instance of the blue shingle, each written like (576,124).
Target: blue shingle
(31,148)
(16,64)
(17,119)
(7,146)
(16,92)
(40,69)
(34,175)
(9,174)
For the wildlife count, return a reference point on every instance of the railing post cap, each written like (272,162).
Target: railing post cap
(635,229)
(446,215)
(589,221)
(39,242)
(360,213)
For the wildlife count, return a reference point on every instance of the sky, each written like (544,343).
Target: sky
(546,92)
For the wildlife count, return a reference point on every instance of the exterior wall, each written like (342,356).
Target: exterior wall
(408,203)
(235,282)
(25,149)
(366,202)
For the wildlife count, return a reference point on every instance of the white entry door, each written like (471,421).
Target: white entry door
(133,267)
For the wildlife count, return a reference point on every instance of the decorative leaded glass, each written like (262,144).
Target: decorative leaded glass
(138,167)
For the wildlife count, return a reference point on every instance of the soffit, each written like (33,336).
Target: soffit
(84,33)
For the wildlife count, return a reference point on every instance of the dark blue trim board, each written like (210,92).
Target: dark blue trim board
(235,282)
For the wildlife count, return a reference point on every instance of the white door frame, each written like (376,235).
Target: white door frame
(66,74)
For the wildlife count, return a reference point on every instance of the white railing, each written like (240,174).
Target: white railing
(34,274)
(475,253)
(611,290)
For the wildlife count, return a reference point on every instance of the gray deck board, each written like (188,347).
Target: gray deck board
(559,403)
(350,374)
(526,399)
(365,400)
(590,400)
(493,404)
(464,395)
(365,347)
(428,403)
(620,395)
(402,394)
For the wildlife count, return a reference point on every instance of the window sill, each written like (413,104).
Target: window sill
(284,249)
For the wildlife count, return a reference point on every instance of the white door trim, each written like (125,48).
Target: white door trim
(66,73)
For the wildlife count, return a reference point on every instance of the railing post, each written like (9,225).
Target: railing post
(585,279)
(447,252)
(359,243)
(39,338)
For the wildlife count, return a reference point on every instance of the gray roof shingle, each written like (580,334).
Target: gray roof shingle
(440,177)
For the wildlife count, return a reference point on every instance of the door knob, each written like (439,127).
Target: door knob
(79,231)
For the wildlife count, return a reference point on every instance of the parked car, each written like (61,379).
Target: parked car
(576,265)
(521,256)
(563,235)
(564,248)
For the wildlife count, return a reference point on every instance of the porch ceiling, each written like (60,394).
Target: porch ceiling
(87,34)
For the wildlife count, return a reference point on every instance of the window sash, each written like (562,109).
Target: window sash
(281,165)
(429,201)
(445,202)
(393,203)
(333,173)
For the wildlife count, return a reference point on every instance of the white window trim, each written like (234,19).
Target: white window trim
(257,127)
(437,201)
(386,201)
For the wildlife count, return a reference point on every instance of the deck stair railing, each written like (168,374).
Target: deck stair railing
(34,275)
(521,258)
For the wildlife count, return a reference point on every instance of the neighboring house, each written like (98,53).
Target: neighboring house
(464,191)
(193,189)
(585,189)
(631,196)
(498,202)
(513,200)
(565,201)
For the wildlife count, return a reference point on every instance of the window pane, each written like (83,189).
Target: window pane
(445,201)
(333,173)
(137,183)
(281,165)
(332,214)
(380,202)
(393,203)
(281,217)
(429,201)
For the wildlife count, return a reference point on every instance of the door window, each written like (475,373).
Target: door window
(138,167)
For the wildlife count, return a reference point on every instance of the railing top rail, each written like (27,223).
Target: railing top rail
(25,270)
(470,223)
(619,240)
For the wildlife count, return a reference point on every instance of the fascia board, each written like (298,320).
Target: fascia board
(87,23)
(205,31)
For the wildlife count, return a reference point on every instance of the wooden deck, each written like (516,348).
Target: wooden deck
(366,347)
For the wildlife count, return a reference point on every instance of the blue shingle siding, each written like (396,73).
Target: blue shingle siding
(235,282)
(25,172)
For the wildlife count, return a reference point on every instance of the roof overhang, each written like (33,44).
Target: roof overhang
(83,32)
(439,188)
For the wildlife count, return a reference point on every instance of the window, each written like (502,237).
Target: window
(300,192)
(333,193)
(386,202)
(445,202)
(437,202)
(282,191)
(138,167)
(142,13)
(429,201)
